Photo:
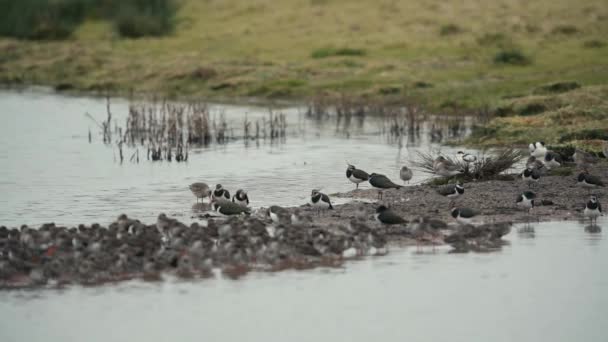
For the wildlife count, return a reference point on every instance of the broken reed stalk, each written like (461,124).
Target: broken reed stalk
(488,165)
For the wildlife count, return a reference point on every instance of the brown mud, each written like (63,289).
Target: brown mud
(53,256)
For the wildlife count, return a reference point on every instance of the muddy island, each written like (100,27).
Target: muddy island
(53,255)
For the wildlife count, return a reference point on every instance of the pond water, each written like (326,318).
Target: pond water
(51,173)
(549,285)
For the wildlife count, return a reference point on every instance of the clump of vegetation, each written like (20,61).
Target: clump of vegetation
(488,166)
(36,19)
(565,29)
(167,130)
(594,44)
(58,19)
(557,87)
(532,108)
(512,57)
(139,18)
(449,29)
(422,84)
(330,51)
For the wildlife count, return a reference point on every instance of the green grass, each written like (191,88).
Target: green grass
(577,117)
(58,19)
(295,49)
(329,52)
(511,56)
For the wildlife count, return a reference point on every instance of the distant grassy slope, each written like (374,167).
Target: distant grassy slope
(441,53)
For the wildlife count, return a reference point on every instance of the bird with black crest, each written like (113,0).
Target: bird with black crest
(356,175)
(382,183)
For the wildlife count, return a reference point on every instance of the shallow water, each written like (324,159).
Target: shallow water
(549,285)
(50,172)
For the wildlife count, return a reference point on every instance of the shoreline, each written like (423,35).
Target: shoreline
(128,249)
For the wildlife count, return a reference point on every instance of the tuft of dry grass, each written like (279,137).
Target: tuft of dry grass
(488,166)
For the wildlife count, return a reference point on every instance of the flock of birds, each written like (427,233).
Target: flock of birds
(541,160)
(128,248)
(223,204)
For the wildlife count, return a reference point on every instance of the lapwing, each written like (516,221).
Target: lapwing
(552,160)
(464,215)
(220,192)
(278,214)
(593,209)
(538,150)
(200,190)
(451,191)
(465,157)
(228,208)
(446,168)
(387,216)
(241,198)
(382,182)
(589,181)
(526,200)
(356,175)
(530,176)
(583,159)
(406,174)
(320,201)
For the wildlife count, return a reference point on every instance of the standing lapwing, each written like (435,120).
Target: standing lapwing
(200,190)
(593,209)
(220,192)
(446,168)
(465,157)
(387,216)
(406,174)
(278,214)
(530,176)
(464,215)
(320,201)
(583,159)
(553,160)
(589,181)
(228,208)
(451,191)
(382,182)
(356,175)
(241,198)
(526,200)
(538,150)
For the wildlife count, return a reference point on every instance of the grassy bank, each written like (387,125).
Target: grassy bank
(444,55)
(554,114)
